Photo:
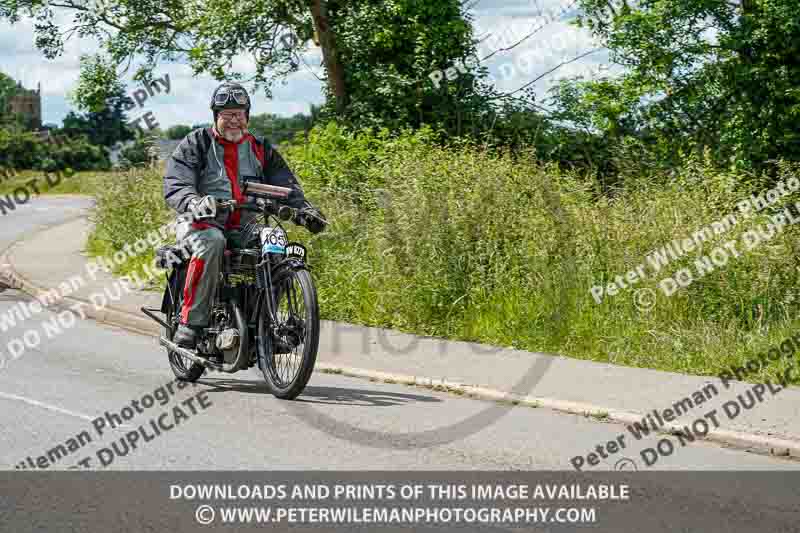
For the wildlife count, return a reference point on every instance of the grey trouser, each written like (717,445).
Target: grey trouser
(202,276)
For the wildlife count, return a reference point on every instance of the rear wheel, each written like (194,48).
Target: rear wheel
(288,352)
(184,369)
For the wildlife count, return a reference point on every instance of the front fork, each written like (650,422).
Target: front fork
(268,290)
(264,288)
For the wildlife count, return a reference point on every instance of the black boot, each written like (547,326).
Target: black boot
(186,337)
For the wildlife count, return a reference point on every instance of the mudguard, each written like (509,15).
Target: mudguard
(285,267)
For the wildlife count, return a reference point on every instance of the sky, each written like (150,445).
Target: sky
(501,22)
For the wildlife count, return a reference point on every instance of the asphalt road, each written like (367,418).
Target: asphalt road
(53,393)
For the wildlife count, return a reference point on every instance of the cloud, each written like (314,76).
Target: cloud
(552,45)
(540,36)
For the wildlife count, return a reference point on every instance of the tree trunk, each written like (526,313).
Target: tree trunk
(327,40)
(748,11)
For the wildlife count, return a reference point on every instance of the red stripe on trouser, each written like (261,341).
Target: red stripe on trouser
(193,276)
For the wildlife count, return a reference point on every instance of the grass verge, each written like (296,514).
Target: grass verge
(468,243)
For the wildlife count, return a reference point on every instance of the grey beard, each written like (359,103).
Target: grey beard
(232,137)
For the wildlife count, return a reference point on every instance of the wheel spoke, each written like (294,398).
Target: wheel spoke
(286,364)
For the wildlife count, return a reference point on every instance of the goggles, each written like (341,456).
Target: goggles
(224,96)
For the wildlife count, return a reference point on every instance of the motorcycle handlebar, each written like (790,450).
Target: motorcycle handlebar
(253,207)
(274,196)
(272,206)
(256,189)
(283,212)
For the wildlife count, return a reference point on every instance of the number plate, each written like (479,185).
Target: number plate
(294,249)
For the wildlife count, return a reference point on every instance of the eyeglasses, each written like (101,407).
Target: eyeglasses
(240,115)
(224,95)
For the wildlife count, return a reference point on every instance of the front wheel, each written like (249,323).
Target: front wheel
(287,350)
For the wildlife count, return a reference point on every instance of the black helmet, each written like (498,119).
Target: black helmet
(230,96)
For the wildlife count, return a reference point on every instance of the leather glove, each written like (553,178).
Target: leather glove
(203,208)
(314,220)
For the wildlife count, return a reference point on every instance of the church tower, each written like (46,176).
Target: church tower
(29,104)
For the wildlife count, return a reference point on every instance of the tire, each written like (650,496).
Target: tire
(279,383)
(182,370)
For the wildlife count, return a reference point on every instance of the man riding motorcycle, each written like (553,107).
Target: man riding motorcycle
(212,164)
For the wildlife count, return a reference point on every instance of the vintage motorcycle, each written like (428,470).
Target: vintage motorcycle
(265,310)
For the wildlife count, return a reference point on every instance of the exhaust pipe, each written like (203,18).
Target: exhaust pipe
(188,354)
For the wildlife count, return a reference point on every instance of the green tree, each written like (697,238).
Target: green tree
(377,54)
(700,73)
(104,128)
(26,150)
(105,122)
(278,129)
(392,47)
(178,132)
(140,153)
(8,87)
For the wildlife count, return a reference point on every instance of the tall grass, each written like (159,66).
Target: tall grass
(471,243)
(64,183)
(129,206)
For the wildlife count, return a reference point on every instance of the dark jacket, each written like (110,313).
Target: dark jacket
(195,169)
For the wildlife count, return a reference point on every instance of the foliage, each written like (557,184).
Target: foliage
(7,89)
(207,35)
(178,132)
(129,205)
(278,129)
(63,182)
(140,153)
(391,47)
(25,150)
(464,242)
(105,124)
(511,248)
(700,73)
(387,50)
(339,159)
